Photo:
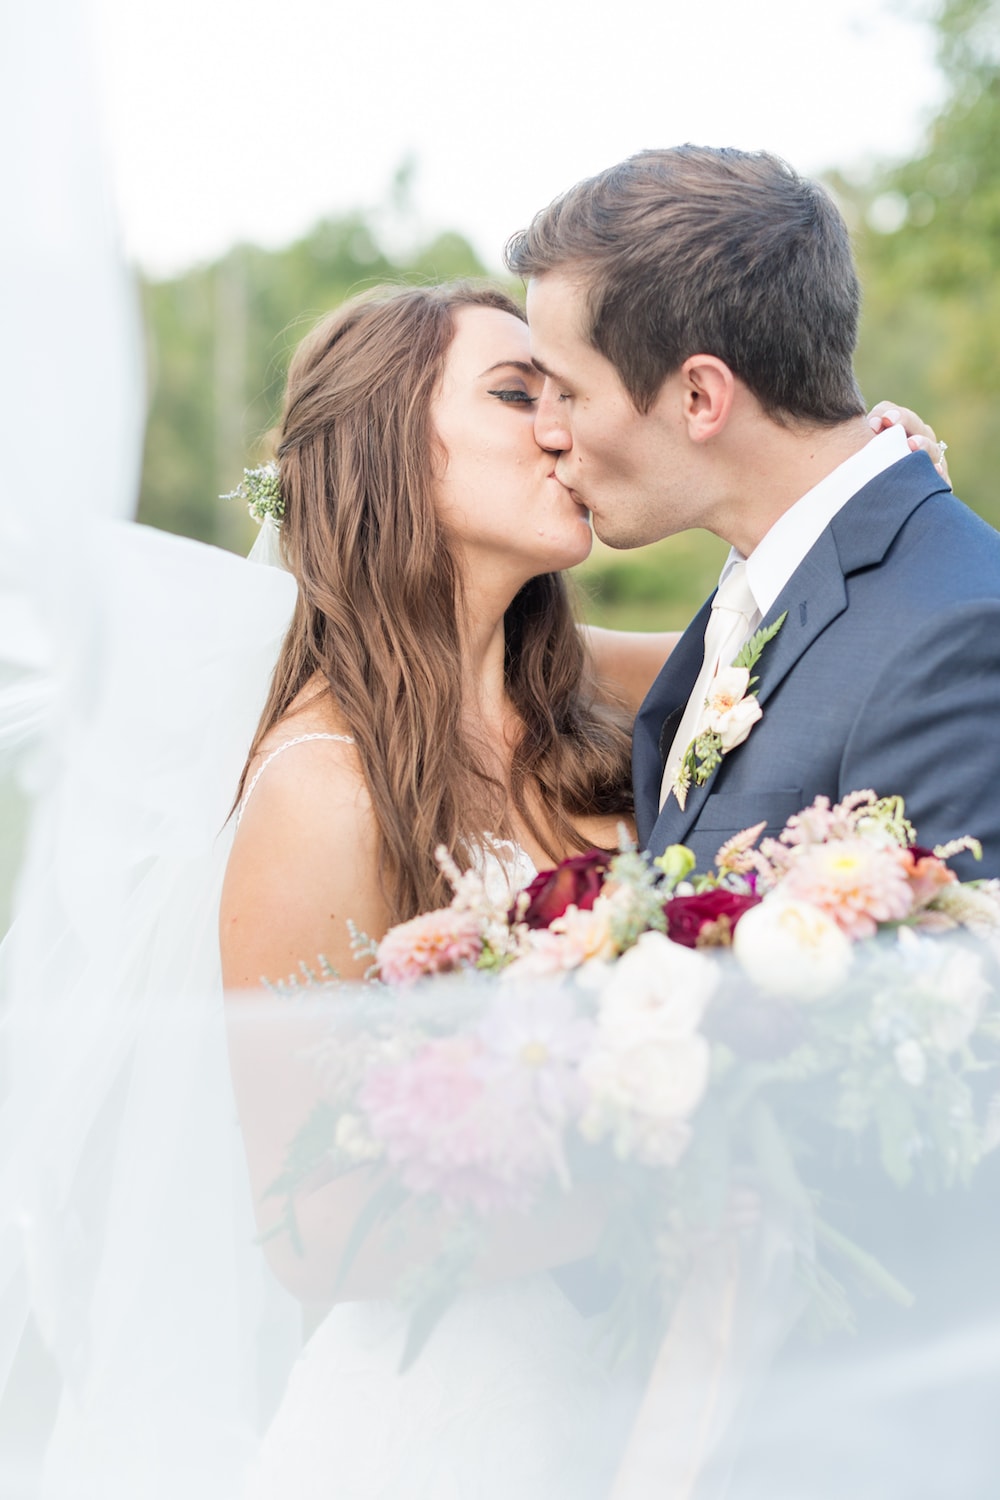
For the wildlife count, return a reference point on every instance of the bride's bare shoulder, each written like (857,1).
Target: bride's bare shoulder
(305,768)
(312,712)
(310,739)
(304,855)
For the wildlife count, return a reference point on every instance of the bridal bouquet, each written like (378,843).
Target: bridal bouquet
(674,1035)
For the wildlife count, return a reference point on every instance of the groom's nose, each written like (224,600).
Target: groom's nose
(551,428)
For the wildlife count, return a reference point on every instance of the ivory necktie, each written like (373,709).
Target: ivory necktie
(733,608)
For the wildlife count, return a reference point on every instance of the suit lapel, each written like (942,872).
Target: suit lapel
(662,706)
(814,596)
(859,536)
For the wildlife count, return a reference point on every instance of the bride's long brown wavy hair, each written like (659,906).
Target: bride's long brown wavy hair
(379,599)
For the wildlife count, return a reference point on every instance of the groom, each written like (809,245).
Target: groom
(694,312)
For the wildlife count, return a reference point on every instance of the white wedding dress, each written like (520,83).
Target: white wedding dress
(509,1397)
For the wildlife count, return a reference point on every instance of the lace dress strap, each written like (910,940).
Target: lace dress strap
(300,739)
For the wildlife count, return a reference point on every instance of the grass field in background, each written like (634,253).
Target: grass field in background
(655,588)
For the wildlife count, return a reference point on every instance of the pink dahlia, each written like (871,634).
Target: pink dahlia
(434,943)
(455,1127)
(857,883)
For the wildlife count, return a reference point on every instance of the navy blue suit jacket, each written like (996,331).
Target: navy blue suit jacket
(885,674)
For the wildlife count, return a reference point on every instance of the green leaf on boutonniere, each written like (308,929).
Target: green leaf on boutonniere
(750,655)
(704,753)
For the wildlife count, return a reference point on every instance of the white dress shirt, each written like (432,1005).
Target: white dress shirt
(775,558)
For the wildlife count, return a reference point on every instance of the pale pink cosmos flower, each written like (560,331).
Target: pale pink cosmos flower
(434,943)
(857,882)
(536,1036)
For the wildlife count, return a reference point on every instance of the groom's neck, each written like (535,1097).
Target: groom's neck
(766,468)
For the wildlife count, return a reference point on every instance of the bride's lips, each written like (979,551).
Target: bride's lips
(571,493)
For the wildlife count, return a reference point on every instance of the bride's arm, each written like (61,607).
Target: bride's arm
(303,861)
(626,662)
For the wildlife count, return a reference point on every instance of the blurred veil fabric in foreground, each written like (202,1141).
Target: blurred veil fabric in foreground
(133,668)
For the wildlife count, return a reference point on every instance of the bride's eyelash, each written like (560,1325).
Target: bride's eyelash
(516,398)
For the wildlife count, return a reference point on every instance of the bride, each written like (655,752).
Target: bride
(432,690)
(433,662)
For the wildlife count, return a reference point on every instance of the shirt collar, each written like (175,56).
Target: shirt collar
(778,554)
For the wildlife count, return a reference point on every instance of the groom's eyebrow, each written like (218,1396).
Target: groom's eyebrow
(544,370)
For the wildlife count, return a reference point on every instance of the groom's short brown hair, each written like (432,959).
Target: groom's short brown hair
(697,250)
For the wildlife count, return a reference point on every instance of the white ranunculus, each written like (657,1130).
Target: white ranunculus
(791,948)
(659,1079)
(911,1060)
(658,990)
(961,990)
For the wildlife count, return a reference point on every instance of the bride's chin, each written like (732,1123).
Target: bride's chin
(586,544)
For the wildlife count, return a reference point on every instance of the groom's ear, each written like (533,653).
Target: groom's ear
(709,389)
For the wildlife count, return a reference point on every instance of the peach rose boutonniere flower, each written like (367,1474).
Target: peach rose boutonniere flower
(731,710)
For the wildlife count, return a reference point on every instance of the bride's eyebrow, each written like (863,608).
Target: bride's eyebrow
(524,366)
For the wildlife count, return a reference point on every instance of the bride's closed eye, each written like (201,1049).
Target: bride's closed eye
(514,397)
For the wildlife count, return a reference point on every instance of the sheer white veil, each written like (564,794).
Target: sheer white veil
(133,668)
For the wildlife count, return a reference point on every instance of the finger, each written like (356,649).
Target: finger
(883,414)
(889,414)
(934,451)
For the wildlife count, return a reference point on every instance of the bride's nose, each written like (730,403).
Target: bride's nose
(551,428)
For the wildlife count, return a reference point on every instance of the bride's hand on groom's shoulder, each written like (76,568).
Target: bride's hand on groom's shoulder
(920,435)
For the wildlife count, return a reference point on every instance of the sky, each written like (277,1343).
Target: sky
(233,120)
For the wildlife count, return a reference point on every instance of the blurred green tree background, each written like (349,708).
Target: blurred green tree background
(927,234)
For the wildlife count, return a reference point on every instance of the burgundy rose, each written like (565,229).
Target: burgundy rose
(706,920)
(575,882)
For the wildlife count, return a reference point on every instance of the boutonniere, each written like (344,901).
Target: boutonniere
(731,710)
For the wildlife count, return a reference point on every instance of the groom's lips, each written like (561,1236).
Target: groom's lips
(553,474)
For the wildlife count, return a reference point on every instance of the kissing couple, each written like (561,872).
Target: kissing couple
(686,362)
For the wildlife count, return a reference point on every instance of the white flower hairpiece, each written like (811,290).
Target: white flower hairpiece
(261,489)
